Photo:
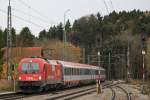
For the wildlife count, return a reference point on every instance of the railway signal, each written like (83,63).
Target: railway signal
(143,54)
(143,43)
(98,83)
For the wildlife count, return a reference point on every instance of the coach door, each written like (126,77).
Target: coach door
(58,72)
(45,72)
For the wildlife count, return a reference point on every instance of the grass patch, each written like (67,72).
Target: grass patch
(5,85)
(139,83)
(136,82)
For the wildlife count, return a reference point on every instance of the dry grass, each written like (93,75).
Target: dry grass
(148,88)
(139,83)
(136,82)
(4,85)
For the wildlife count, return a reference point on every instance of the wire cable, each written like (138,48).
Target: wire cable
(1,10)
(112,5)
(106,6)
(36,11)
(17,10)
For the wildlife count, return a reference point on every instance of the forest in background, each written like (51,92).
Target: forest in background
(112,35)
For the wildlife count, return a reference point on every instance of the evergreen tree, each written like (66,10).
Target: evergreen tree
(1,39)
(43,35)
(52,32)
(68,27)
(5,37)
(26,37)
(13,34)
(1,45)
(59,32)
(68,30)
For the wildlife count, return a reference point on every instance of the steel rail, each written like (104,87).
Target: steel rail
(128,95)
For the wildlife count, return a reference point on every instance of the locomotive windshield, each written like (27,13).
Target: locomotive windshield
(30,67)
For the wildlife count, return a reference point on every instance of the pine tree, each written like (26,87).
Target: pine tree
(26,37)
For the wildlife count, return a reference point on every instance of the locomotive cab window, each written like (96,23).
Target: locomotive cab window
(30,67)
(24,67)
(34,67)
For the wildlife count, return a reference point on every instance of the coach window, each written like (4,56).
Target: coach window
(86,72)
(79,71)
(24,67)
(82,71)
(75,71)
(72,71)
(96,72)
(66,71)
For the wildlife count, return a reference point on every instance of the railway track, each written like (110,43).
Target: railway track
(73,93)
(128,95)
(76,94)
(114,93)
(12,96)
(59,94)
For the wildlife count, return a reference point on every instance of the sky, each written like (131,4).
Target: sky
(42,14)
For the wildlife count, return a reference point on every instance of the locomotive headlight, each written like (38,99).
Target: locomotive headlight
(19,78)
(40,77)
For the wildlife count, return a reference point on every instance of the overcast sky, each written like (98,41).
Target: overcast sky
(41,14)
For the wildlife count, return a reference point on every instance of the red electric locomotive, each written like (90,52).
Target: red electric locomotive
(37,74)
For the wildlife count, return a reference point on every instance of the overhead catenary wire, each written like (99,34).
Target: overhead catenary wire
(19,11)
(34,10)
(106,6)
(25,20)
(112,5)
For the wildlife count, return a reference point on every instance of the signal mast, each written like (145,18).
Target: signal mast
(9,41)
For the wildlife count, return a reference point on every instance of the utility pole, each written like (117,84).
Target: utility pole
(143,54)
(83,55)
(9,42)
(64,36)
(128,61)
(88,59)
(9,49)
(143,36)
(109,68)
(98,84)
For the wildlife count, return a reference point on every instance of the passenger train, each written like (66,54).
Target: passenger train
(39,74)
